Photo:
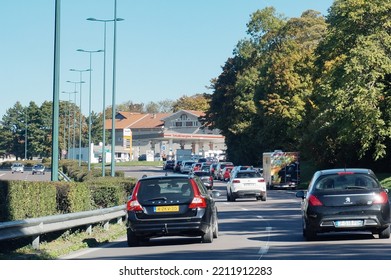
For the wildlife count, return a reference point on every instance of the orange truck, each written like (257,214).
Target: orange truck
(281,169)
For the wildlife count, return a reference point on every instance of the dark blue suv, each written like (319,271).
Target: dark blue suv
(171,205)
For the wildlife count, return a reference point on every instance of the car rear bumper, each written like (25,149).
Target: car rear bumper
(355,222)
(186,226)
(249,193)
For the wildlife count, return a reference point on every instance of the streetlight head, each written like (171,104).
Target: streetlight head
(80,50)
(119,19)
(92,19)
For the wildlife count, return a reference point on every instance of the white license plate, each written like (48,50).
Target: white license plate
(353,223)
(249,184)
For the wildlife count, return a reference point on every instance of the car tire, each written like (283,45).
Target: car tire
(309,234)
(132,239)
(208,236)
(228,196)
(263,198)
(231,197)
(216,228)
(384,233)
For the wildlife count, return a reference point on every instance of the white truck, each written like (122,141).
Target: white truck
(281,169)
(183,154)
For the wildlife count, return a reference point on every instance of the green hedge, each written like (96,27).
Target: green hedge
(21,200)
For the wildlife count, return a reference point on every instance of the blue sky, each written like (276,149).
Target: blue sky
(165,48)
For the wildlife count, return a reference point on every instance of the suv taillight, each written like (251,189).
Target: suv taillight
(133,204)
(198,200)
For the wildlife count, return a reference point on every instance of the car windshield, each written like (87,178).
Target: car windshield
(248,175)
(165,189)
(345,181)
(201,173)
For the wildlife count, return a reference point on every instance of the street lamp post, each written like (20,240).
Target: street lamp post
(104,90)
(80,113)
(74,122)
(89,106)
(113,96)
(69,120)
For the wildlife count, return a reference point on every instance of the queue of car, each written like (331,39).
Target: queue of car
(337,200)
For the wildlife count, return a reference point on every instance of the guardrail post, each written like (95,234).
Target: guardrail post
(106,225)
(119,220)
(35,242)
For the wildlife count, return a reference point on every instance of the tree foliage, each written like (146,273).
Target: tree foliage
(197,102)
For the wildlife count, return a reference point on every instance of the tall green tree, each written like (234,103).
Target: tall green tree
(352,108)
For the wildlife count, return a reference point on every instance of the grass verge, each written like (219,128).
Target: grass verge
(53,246)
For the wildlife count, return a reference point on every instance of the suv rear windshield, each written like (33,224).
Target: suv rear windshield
(248,175)
(347,181)
(165,189)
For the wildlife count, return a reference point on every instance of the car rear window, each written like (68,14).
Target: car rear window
(166,189)
(248,175)
(346,181)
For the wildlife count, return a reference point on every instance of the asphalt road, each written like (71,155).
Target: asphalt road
(250,230)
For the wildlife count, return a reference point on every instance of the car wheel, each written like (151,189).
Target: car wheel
(133,240)
(309,234)
(208,236)
(263,198)
(385,233)
(230,197)
(216,228)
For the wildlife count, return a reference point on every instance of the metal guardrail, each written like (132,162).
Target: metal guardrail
(37,226)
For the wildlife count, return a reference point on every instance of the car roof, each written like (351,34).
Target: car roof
(341,170)
(179,176)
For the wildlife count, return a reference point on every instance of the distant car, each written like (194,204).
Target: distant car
(195,166)
(142,157)
(344,200)
(246,183)
(186,166)
(226,173)
(219,169)
(177,166)
(38,169)
(17,167)
(169,164)
(172,205)
(205,177)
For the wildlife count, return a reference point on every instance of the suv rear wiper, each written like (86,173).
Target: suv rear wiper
(158,198)
(355,188)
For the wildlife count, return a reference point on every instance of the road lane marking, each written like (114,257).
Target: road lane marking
(264,249)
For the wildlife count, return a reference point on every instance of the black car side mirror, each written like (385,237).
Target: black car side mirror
(301,194)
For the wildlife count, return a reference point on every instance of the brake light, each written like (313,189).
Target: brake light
(198,200)
(314,201)
(381,198)
(345,173)
(261,180)
(236,181)
(133,204)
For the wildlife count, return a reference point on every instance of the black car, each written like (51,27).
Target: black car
(345,200)
(169,164)
(171,205)
(205,177)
